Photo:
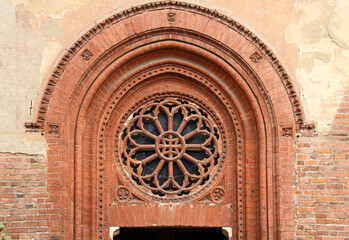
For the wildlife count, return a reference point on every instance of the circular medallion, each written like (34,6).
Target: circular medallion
(218,195)
(170,147)
(123,194)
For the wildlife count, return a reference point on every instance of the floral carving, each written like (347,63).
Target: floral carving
(170,147)
(218,194)
(123,194)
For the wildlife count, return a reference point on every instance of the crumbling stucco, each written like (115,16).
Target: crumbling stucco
(322,71)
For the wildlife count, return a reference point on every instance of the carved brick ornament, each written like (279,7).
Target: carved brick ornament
(170,147)
(255,57)
(218,194)
(171,17)
(53,130)
(287,132)
(123,194)
(86,55)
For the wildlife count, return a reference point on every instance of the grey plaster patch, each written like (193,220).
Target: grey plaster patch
(326,58)
(22,143)
(50,29)
(307,63)
(313,32)
(338,25)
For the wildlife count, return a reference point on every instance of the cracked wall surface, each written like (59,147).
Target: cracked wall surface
(309,37)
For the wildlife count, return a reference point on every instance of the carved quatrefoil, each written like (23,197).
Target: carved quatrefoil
(170,147)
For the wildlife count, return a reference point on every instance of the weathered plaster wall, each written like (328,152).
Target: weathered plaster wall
(310,38)
(322,71)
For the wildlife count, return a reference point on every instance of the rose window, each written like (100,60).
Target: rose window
(170,147)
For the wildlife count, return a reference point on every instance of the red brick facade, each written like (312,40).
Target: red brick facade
(323,181)
(185,54)
(27,207)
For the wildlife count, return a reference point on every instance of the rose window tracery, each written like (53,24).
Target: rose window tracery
(170,147)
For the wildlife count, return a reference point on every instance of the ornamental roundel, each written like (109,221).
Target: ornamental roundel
(171,148)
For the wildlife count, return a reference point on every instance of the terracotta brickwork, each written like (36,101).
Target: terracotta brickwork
(323,181)
(28,209)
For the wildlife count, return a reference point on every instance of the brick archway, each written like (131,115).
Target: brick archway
(189,54)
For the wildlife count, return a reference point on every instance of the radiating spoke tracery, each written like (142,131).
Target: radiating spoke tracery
(170,147)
